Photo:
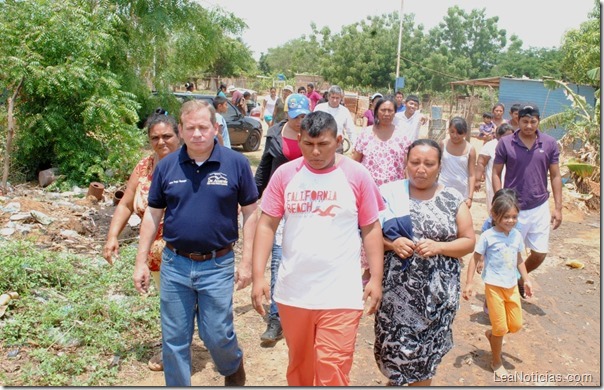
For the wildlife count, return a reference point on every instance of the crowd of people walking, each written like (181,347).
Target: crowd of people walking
(382,231)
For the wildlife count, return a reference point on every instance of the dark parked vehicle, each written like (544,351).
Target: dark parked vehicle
(243,130)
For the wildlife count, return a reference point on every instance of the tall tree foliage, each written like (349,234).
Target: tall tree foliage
(581,48)
(70,109)
(79,69)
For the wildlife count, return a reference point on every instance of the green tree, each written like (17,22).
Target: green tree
(469,36)
(581,48)
(534,63)
(69,107)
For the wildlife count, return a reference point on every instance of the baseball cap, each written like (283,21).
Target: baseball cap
(297,104)
(231,88)
(377,94)
(289,88)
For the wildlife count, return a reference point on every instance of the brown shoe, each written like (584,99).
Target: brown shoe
(237,378)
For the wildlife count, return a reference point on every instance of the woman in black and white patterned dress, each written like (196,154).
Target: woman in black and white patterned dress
(421,293)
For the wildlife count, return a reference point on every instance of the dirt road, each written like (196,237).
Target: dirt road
(558,346)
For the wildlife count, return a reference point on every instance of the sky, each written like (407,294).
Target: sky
(271,23)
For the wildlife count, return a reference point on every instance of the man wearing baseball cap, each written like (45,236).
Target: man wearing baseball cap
(528,155)
(280,147)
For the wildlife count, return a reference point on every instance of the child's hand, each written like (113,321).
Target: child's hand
(528,288)
(467,292)
(479,266)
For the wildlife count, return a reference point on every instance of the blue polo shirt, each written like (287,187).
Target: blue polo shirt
(201,202)
(526,169)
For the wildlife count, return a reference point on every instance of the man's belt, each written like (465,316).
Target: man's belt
(196,256)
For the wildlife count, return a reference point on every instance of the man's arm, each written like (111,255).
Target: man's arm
(263,243)
(149,226)
(497,170)
(374,250)
(243,275)
(349,126)
(556,180)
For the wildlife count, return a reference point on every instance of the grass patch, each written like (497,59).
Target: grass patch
(74,315)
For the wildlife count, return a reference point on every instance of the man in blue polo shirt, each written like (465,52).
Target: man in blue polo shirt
(200,187)
(528,155)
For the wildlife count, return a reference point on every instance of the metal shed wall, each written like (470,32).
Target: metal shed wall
(533,91)
(549,101)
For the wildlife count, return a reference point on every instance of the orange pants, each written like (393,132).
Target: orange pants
(321,344)
(505,310)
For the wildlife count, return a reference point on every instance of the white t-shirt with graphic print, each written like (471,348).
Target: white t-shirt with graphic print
(320,267)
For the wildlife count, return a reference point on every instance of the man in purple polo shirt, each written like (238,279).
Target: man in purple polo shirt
(528,155)
(198,191)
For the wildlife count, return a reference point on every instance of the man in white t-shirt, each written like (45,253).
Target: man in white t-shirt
(341,114)
(410,120)
(323,197)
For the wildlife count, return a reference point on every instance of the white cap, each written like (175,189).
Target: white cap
(377,94)
(289,88)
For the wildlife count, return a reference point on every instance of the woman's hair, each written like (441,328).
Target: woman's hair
(379,103)
(427,142)
(502,129)
(160,116)
(503,201)
(499,105)
(459,124)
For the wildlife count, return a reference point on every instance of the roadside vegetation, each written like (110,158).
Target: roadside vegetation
(76,319)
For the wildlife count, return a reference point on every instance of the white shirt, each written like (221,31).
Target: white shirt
(269,108)
(342,116)
(410,126)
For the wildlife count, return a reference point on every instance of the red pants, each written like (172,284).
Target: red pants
(321,344)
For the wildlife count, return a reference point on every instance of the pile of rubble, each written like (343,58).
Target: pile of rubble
(69,221)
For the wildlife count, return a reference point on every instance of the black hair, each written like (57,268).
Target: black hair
(160,116)
(502,129)
(318,122)
(412,98)
(487,115)
(515,107)
(246,94)
(504,200)
(188,86)
(499,105)
(379,103)
(218,100)
(427,142)
(301,88)
(529,110)
(459,124)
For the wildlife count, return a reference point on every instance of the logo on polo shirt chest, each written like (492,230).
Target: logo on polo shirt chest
(218,179)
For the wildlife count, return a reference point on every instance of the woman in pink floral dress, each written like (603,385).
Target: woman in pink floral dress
(162,131)
(381,148)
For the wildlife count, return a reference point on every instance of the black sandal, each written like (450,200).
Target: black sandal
(521,290)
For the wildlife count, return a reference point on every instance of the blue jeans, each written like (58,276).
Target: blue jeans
(197,288)
(275,263)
